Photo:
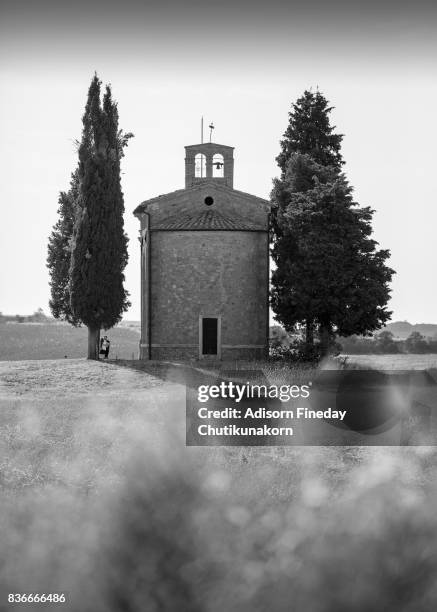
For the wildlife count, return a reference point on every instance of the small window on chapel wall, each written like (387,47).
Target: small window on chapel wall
(200,165)
(218,165)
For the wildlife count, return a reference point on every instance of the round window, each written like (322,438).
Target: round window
(209,201)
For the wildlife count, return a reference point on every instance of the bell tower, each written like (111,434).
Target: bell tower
(209,162)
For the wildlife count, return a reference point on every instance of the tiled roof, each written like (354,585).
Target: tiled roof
(206,220)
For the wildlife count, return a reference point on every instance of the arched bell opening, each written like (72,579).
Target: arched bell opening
(218,166)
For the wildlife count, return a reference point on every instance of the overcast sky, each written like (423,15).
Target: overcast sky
(240,65)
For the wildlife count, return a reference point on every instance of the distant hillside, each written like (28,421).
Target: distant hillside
(402,329)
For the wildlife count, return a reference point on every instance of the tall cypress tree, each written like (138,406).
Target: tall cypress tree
(99,244)
(329,277)
(88,245)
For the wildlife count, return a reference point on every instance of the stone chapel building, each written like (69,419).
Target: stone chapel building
(205,265)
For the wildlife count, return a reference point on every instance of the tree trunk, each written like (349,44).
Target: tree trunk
(325,339)
(309,336)
(93,342)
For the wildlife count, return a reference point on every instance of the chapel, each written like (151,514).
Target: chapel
(205,265)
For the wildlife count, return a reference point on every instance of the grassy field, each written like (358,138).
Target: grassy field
(57,341)
(101,499)
(395,362)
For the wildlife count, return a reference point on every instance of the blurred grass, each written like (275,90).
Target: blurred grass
(101,498)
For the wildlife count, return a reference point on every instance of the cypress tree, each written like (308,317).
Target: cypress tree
(310,132)
(88,245)
(330,276)
(99,244)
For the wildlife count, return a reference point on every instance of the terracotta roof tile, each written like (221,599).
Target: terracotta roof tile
(205,220)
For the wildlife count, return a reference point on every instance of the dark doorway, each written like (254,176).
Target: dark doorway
(209,336)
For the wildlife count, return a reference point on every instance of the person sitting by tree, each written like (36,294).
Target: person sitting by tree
(105,343)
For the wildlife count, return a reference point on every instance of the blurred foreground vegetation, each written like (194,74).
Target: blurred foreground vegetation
(102,499)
